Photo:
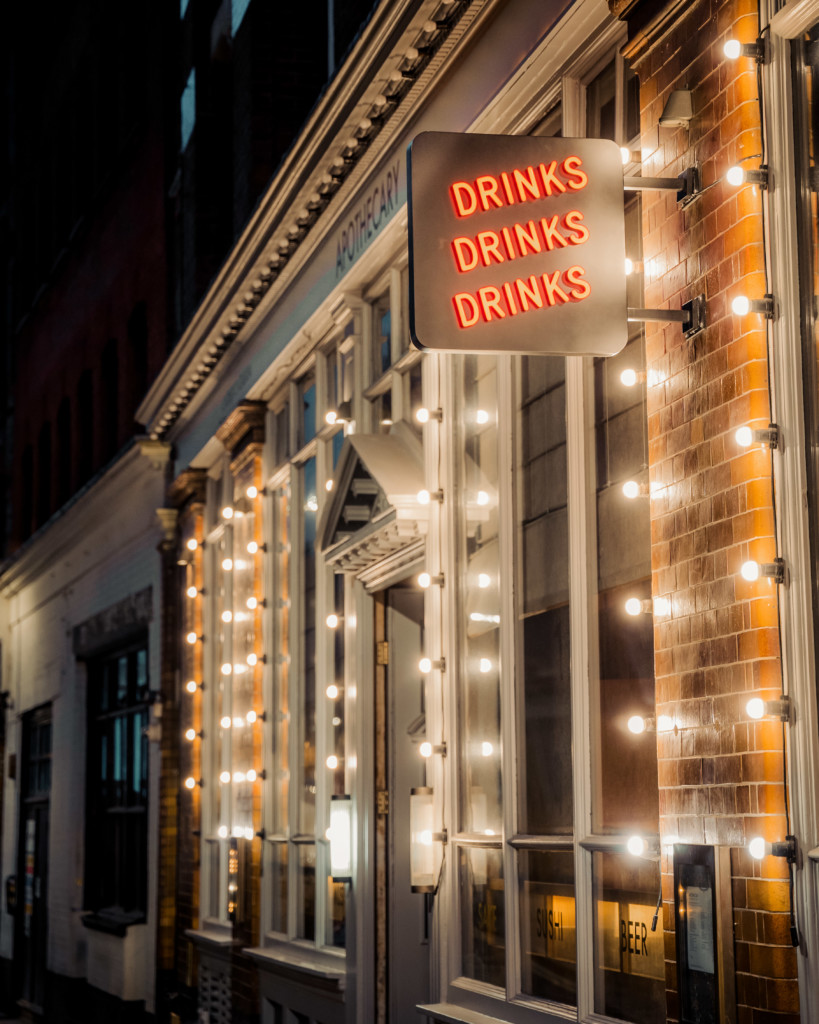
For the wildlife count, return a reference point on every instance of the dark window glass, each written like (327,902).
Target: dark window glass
(116,816)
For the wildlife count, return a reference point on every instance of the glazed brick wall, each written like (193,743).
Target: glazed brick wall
(720,775)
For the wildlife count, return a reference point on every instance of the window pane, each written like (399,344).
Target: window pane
(382,321)
(483,937)
(308,650)
(547,923)
(336,902)
(306,911)
(279,884)
(626,795)
(479,691)
(601,106)
(281,786)
(308,410)
(629,975)
(545,772)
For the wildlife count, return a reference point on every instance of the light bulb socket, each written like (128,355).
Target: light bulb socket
(786,848)
(436,748)
(774,570)
(758,50)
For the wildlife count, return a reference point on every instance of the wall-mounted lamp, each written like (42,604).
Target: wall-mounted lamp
(632,489)
(628,378)
(734,49)
(745,436)
(426,665)
(647,847)
(424,415)
(678,110)
(742,306)
(427,749)
(340,834)
(426,846)
(425,497)
(774,570)
(333,621)
(758,708)
(425,580)
(343,414)
(738,175)
(758,848)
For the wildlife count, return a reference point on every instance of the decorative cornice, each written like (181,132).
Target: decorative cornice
(648,22)
(244,427)
(319,170)
(188,488)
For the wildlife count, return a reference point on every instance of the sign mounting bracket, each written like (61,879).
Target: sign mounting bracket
(691,315)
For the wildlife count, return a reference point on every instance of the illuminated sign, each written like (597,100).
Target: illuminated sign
(517,244)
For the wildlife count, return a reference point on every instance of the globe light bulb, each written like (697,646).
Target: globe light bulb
(252,547)
(192,544)
(423,497)
(191,591)
(191,638)
(425,665)
(732,49)
(226,721)
(628,378)
(252,659)
(227,668)
(755,708)
(628,267)
(227,564)
(634,606)
(330,417)
(190,782)
(735,176)
(485,665)
(631,489)
(227,616)
(251,775)
(625,155)
(756,847)
(422,415)
(332,762)
(332,621)
(224,777)
(481,416)
(332,691)
(251,717)
(190,734)
(637,724)
(484,580)
(741,305)
(425,750)
(227,512)
(750,571)
(252,492)
(191,686)
(222,831)
(424,580)
(251,603)
(487,749)
(744,437)
(483,498)
(636,846)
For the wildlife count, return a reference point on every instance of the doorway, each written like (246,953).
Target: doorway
(402,939)
(31,926)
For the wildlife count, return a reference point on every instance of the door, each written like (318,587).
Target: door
(31,926)
(402,940)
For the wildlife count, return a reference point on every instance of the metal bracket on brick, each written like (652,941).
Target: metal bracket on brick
(691,315)
(686,185)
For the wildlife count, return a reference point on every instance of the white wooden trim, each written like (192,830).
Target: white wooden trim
(791,487)
(795,18)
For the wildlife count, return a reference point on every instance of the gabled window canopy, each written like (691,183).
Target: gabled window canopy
(374,512)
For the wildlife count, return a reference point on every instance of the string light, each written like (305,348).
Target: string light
(424,497)
(756,708)
(484,580)
(191,686)
(630,377)
(191,638)
(332,762)
(487,749)
(227,512)
(485,665)
(632,489)
(332,621)
(482,417)
(192,783)
(227,616)
(252,492)
(738,176)
(227,564)
(745,436)
(425,580)
(226,721)
(741,305)
(224,777)
(192,544)
(733,49)
(426,665)
(772,570)
(424,415)
(192,592)
(332,691)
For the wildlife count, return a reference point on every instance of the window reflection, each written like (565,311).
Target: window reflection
(483,923)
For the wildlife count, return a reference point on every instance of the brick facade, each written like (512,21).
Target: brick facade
(720,774)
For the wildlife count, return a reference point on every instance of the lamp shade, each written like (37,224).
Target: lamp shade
(341,838)
(425,844)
